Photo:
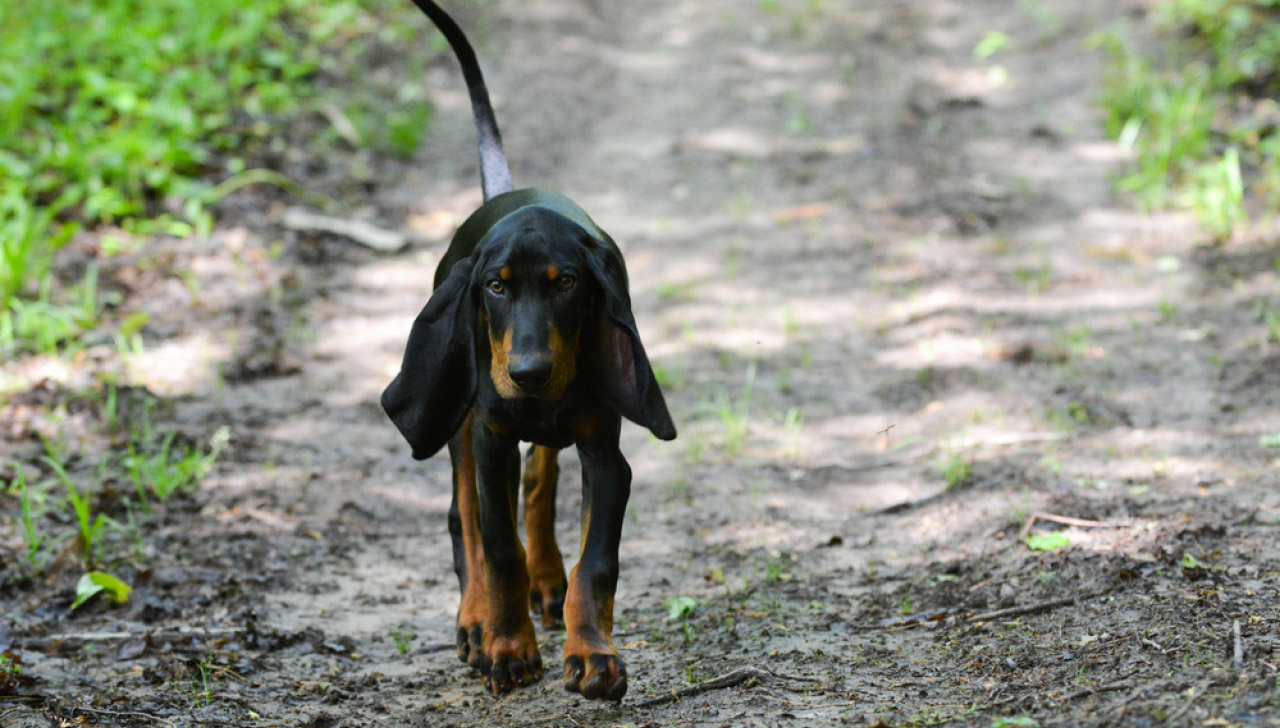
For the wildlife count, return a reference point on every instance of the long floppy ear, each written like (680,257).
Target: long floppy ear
(430,397)
(622,376)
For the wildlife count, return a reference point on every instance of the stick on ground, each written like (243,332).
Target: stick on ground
(727,680)
(1028,609)
(1237,655)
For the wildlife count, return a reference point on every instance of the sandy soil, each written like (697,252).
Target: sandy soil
(862,260)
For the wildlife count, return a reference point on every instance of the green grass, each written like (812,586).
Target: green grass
(128,112)
(164,470)
(1196,118)
(954,468)
(91,529)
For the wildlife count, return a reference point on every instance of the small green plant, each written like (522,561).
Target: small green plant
(678,489)
(402,639)
(96,582)
(737,415)
(202,690)
(10,672)
(955,469)
(693,674)
(168,470)
(91,528)
(992,42)
(1035,279)
(1272,322)
(681,608)
(30,522)
(1079,340)
(1050,541)
(793,426)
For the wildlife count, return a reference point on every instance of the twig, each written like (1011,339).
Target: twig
(42,643)
(1109,687)
(370,236)
(727,680)
(1237,657)
(1069,521)
(1028,609)
(122,713)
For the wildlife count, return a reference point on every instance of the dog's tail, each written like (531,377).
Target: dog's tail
(495,174)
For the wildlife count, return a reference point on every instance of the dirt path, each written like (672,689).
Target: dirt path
(897,309)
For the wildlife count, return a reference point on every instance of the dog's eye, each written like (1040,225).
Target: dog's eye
(566,282)
(496,286)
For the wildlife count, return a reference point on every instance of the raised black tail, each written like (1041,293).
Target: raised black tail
(495,174)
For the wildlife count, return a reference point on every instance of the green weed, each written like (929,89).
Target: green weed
(1035,279)
(1223,54)
(91,529)
(737,415)
(793,426)
(127,124)
(954,468)
(202,690)
(1079,340)
(168,470)
(96,582)
(681,608)
(30,522)
(402,639)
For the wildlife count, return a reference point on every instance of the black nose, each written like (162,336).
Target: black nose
(529,371)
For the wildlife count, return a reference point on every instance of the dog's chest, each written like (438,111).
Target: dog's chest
(542,423)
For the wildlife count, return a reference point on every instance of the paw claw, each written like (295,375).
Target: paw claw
(549,605)
(600,677)
(573,674)
(464,648)
(478,659)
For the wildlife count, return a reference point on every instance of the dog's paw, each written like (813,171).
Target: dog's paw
(471,646)
(473,612)
(595,674)
(546,599)
(513,662)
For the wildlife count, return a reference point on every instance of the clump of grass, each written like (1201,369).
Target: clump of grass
(91,529)
(30,522)
(955,469)
(736,416)
(122,112)
(681,608)
(1190,152)
(402,639)
(166,470)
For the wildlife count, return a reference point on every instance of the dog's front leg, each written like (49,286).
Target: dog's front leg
(592,666)
(468,554)
(509,643)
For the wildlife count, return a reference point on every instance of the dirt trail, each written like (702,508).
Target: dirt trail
(862,259)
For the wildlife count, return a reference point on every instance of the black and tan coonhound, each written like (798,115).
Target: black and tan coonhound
(528,336)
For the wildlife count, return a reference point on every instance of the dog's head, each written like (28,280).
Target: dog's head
(540,305)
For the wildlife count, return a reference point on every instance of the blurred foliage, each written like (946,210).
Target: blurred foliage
(1201,119)
(126,112)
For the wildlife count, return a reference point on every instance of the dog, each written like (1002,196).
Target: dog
(528,336)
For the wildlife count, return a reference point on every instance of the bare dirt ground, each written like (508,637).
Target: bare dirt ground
(863,260)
